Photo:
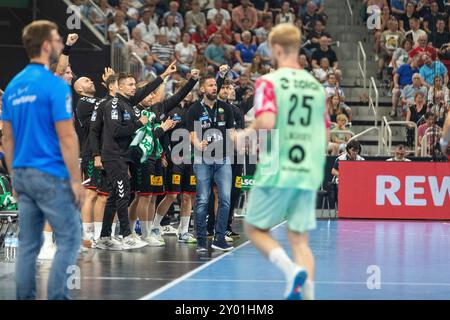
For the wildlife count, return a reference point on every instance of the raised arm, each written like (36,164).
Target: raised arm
(176,99)
(63,61)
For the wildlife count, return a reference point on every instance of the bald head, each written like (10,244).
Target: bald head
(84,87)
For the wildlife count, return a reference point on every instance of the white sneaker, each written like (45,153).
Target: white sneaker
(109,243)
(136,236)
(130,243)
(229,239)
(153,241)
(169,231)
(83,249)
(94,243)
(47,252)
(186,238)
(156,232)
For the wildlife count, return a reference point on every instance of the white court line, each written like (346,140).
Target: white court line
(181,262)
(193,272)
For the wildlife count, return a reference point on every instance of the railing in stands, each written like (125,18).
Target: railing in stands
(137,67)
(349,13)
(387,135)
(425,147)
(373,103)
(120,54)
(104,16)
(366,132)
(362,64)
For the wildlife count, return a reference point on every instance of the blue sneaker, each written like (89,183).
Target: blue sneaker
(221,244)
(201,245)
(297,284)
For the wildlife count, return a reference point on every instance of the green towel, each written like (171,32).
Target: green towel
(145,140)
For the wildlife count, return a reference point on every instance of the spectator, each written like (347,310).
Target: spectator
(186,54)
(200,39)
(399,154)
(285,15)
(339,139)
(324,51)
(138,46)
(402,78)
(99,16)
(409,92)
(398,8)
(315,35)
(323,71)
(301,7)
(245,51)
(163,53)
(431,130)
(439,37)
(160,7)
(266,27)
(218,9)
(385,17)
(415,30)
(244,87)
(423,9)
(332,87)
(172,32)
(431,69)
(242,12)
(438,99)
(149,29)
(216,54)
(219,27)
(195,17)
(245,27)
(310,16)
(264,52)
(391,39)
(178,18)
(353,149)
(257,68)
(430,21)
(405,18)
(422,48)
(415,114)
(153,16)
(303,62)
(118,27)
(336,107)
(131,14)
(401,55)
(437,89)
(150,72)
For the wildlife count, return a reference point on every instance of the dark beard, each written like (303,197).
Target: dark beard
(211,97)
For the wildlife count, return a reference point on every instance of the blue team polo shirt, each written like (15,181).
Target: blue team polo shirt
(405,74)
(33,102)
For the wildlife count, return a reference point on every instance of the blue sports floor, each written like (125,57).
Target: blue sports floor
(413,260)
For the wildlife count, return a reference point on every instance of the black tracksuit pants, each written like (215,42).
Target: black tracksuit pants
(118,199)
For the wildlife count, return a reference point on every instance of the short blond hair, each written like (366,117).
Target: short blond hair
(287,35)
(341,116)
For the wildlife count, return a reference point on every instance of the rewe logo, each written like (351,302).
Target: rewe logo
(388,188)
(374,20)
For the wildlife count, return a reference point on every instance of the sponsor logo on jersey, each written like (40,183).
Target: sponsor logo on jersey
(176,179)
(156,181)
(126,116)
(238,183)
(114,114)
(192,181)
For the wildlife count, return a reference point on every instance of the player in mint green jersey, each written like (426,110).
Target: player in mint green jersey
(291,101)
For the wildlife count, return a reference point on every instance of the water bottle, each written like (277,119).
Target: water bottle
(15,246)
(8,244)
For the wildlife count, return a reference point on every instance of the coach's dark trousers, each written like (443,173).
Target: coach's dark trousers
(118,199)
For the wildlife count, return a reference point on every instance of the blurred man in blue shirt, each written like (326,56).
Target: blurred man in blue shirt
(42,151)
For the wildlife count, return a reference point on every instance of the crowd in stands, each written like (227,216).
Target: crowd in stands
(412,47)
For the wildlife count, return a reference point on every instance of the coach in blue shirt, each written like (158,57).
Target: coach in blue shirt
(42,152)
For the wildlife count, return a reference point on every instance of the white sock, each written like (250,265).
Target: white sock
(97,230)
(157,221)
(308,290)
(88,229)
(113,229)
(48,238)
(133,225)
(279,258)
(144,229)
(184,224)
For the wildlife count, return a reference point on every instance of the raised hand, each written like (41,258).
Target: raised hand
(72,39)
(195,73)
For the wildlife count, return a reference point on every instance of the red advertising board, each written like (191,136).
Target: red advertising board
(394,190)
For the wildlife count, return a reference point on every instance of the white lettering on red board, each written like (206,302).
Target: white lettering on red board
(388,190)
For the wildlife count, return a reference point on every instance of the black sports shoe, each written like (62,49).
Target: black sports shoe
(230,233)
(201,245)
(222,245)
